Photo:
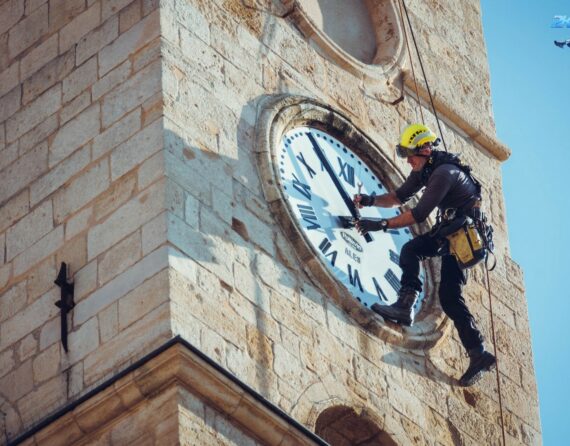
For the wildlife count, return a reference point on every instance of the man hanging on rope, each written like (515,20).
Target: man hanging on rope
(449,186)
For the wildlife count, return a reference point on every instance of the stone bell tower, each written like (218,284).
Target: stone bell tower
(139,145)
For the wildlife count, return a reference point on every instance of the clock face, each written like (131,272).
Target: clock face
(319,176)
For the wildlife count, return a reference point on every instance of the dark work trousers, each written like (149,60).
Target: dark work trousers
(452,280)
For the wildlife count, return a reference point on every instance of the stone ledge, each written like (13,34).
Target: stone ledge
(177,363)
(489,142)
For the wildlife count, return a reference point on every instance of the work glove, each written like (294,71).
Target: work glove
(364,226)
(362,200)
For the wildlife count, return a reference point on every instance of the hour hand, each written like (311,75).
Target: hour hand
(325,162)
(345,197)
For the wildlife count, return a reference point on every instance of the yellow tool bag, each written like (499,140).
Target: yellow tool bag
(467,245)
(468,239)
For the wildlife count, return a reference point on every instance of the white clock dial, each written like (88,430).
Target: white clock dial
(318,174)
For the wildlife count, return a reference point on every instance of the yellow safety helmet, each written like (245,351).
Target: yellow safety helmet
(413,138)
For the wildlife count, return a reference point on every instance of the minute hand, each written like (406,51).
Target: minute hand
(325,162)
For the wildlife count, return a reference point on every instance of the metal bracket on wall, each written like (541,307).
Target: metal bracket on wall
(66,302)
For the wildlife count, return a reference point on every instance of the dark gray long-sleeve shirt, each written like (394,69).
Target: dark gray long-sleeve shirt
(447,187)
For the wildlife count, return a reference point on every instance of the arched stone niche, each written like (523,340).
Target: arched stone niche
(344,426)
(362,36)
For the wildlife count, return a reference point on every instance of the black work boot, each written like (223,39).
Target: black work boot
(402,311)
(479,362)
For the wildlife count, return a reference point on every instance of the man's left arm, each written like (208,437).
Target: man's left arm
(437,188)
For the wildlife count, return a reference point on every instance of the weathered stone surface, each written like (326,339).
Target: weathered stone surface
(80,79)
(93,41)
(120,257)
(7,362)
(39,251)
(59,175)
(10,103)
(28,30)
(9,79)
(131,93)
(148,332)
(76,106)
(43,399)
(129,42)
(48,76)
(19,382)
(47,363)
(136,150)
(84,188)
(26,320)
(74,134)
(62,12)
(121,285)
(10,12)
(13,300)
(35,136)
(125,219)
(33,113)
(29,230)
(111,80)
(84,340)
(27,347)
(70,34)
(108,323)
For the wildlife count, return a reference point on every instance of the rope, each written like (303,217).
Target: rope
(445,146)
(496,356)
(424,74)
(419,105)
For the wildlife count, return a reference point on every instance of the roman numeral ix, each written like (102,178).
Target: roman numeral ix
(302,188)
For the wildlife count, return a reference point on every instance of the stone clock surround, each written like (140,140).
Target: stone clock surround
(276,116)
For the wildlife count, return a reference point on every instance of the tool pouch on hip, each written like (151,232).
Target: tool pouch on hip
(467,245)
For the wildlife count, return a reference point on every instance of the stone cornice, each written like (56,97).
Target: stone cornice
(179,364)
(489,142)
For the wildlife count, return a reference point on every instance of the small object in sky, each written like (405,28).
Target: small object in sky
(560,44)
(560,21)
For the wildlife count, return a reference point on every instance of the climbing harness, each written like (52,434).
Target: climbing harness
(465,233)
(484,229)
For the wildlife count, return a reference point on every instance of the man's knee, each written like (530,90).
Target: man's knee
(409,250)
(450,297)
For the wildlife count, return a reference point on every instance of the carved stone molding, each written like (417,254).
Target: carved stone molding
(390,54)
(175,367)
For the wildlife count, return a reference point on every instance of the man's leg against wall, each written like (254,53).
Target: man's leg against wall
(453,304)
(413,252)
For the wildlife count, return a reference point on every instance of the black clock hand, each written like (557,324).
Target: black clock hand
(325,162)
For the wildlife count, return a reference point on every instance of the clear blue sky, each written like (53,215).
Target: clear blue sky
(530,83)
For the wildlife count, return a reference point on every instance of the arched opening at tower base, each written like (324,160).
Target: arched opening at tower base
(343,426)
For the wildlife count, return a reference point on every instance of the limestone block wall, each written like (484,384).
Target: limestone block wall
(127,149)
(81,183)
(452,48)
(245,298)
